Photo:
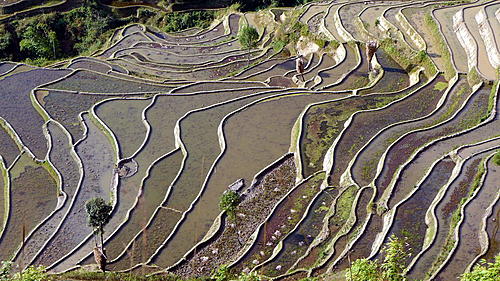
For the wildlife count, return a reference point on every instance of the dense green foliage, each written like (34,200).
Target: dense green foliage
(363,269)
(44,38)
(176,21)
(224,273)
(5,268)
(32,273)
(114,276)
(252,5)
(496,158)
(6,43)
(246,5)
(179,21)
(394,261)
(229,202)
(38,40)
(53,36)
(289,32)
(391,269)
(484,271)
(248,37)
(99,214)
(82,31)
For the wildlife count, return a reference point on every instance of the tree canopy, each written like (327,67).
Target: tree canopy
(248,37)
(229,201)
(99,214)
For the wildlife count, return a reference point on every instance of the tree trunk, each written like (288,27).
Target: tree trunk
(101,230)
(100,259)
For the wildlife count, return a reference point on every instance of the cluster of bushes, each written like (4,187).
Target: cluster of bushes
(252,5)
(47,37)
(81,31)
(392,269)
(229,203)
(246,5)
(394,264)
(176,21)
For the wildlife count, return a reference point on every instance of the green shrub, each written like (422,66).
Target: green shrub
(320,42)
(391,269)
(6,43)
(335,44)
(32,273)
(39,37)
(395,257)
(363,269)
(496,159)
(178,21)
(229,202)
(278,45)
(248,37)
(484,271)
(223,273)
(99,214)
(85,25)
(248,277)
(5,268)
(421,55)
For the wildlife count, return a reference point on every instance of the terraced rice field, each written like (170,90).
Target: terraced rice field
(329,163)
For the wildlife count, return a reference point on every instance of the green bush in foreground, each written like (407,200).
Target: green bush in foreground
(32,273)
(391,269)
(5,268)
(484,271)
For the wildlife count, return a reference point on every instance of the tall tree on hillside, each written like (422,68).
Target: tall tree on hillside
(248,37)
(99,214)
